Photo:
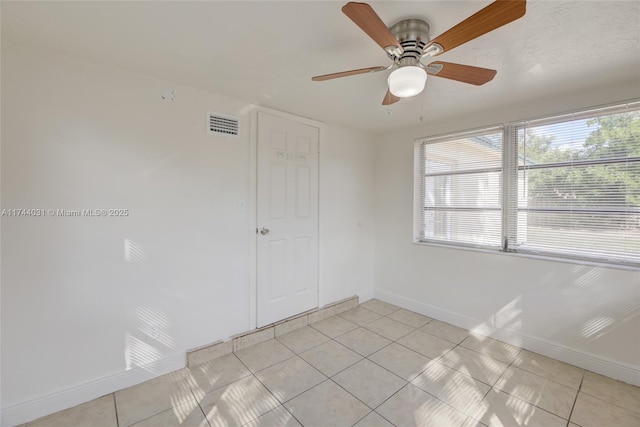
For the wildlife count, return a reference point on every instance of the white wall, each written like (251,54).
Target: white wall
(347,180)
(550,307)
(87,301)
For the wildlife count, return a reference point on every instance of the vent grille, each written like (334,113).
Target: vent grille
(224,125)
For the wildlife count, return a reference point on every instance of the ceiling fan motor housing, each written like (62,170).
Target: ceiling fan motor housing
(413,35)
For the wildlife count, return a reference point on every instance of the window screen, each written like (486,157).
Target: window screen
(460,178)
(565,187)
(578,181)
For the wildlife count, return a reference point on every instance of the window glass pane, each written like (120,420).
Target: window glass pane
(472,153)
(479,228)
(604,236)
(461,189)
(572,182)
(579,188)
(473,190)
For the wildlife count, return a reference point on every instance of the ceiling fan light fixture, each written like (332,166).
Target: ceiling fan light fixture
(407,81)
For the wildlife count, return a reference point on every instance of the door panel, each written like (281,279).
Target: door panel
(287,206)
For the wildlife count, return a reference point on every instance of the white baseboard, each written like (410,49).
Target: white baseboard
(27,411)
(365,295)
(595,363)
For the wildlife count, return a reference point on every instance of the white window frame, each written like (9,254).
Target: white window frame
(509,189)
(420,182)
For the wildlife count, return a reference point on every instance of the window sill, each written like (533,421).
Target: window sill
(574,261)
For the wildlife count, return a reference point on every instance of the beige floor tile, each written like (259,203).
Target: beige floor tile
(263,355)
(100,412)
(450,384)
(490,347)
(410,318)
(452,387)
(334,326)
(445,331)
(291,325)
(369,382)
(279,417)
(209,353)
(412,406)
(380,307)
(389,328)
(546,394)
(327,405)
(592,412)
(551,369)
(612,391)
(373,420)
(476,365)
(181,416)
(473,423)
(289,378)
(330,357)
(154,396)
(237,403)
(254,337)
(426,344)
(500,409)
(360,316)
(363,341)
(400,360)
(302,339)
(217,373)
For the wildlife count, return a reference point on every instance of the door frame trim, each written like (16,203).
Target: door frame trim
(253,206)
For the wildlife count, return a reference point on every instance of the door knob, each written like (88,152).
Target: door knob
(264,231)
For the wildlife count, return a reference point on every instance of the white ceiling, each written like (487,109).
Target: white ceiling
(266,52)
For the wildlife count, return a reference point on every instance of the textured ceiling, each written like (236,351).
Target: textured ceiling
(266,52)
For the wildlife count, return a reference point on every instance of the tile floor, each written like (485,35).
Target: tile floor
(374,365)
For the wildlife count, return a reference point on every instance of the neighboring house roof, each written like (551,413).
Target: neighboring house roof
(495,143)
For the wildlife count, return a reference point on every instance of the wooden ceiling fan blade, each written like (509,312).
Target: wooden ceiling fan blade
(462,73)
(390,98)
(368,20)
(347,73)
(497,14)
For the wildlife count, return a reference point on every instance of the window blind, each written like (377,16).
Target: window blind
(578,186)
(459,180)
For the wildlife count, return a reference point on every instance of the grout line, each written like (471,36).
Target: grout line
(533,404)
(269,366)
(115,407)
(307,349)
(280,405)
(195,398)
(306,389)
(633,412)
(576,399)
(339,335)
(350,365)
(414,377)
(203,413)
(354,396)
(369,413)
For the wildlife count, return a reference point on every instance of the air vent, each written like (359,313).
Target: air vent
(224,125)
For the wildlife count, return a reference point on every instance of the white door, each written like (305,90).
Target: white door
(287,218)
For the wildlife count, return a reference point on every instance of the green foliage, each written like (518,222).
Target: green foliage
(587,186)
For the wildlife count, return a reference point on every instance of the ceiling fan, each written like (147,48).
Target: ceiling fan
(407,43)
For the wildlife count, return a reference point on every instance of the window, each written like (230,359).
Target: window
(579,186)
(566,187)
(461,188)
